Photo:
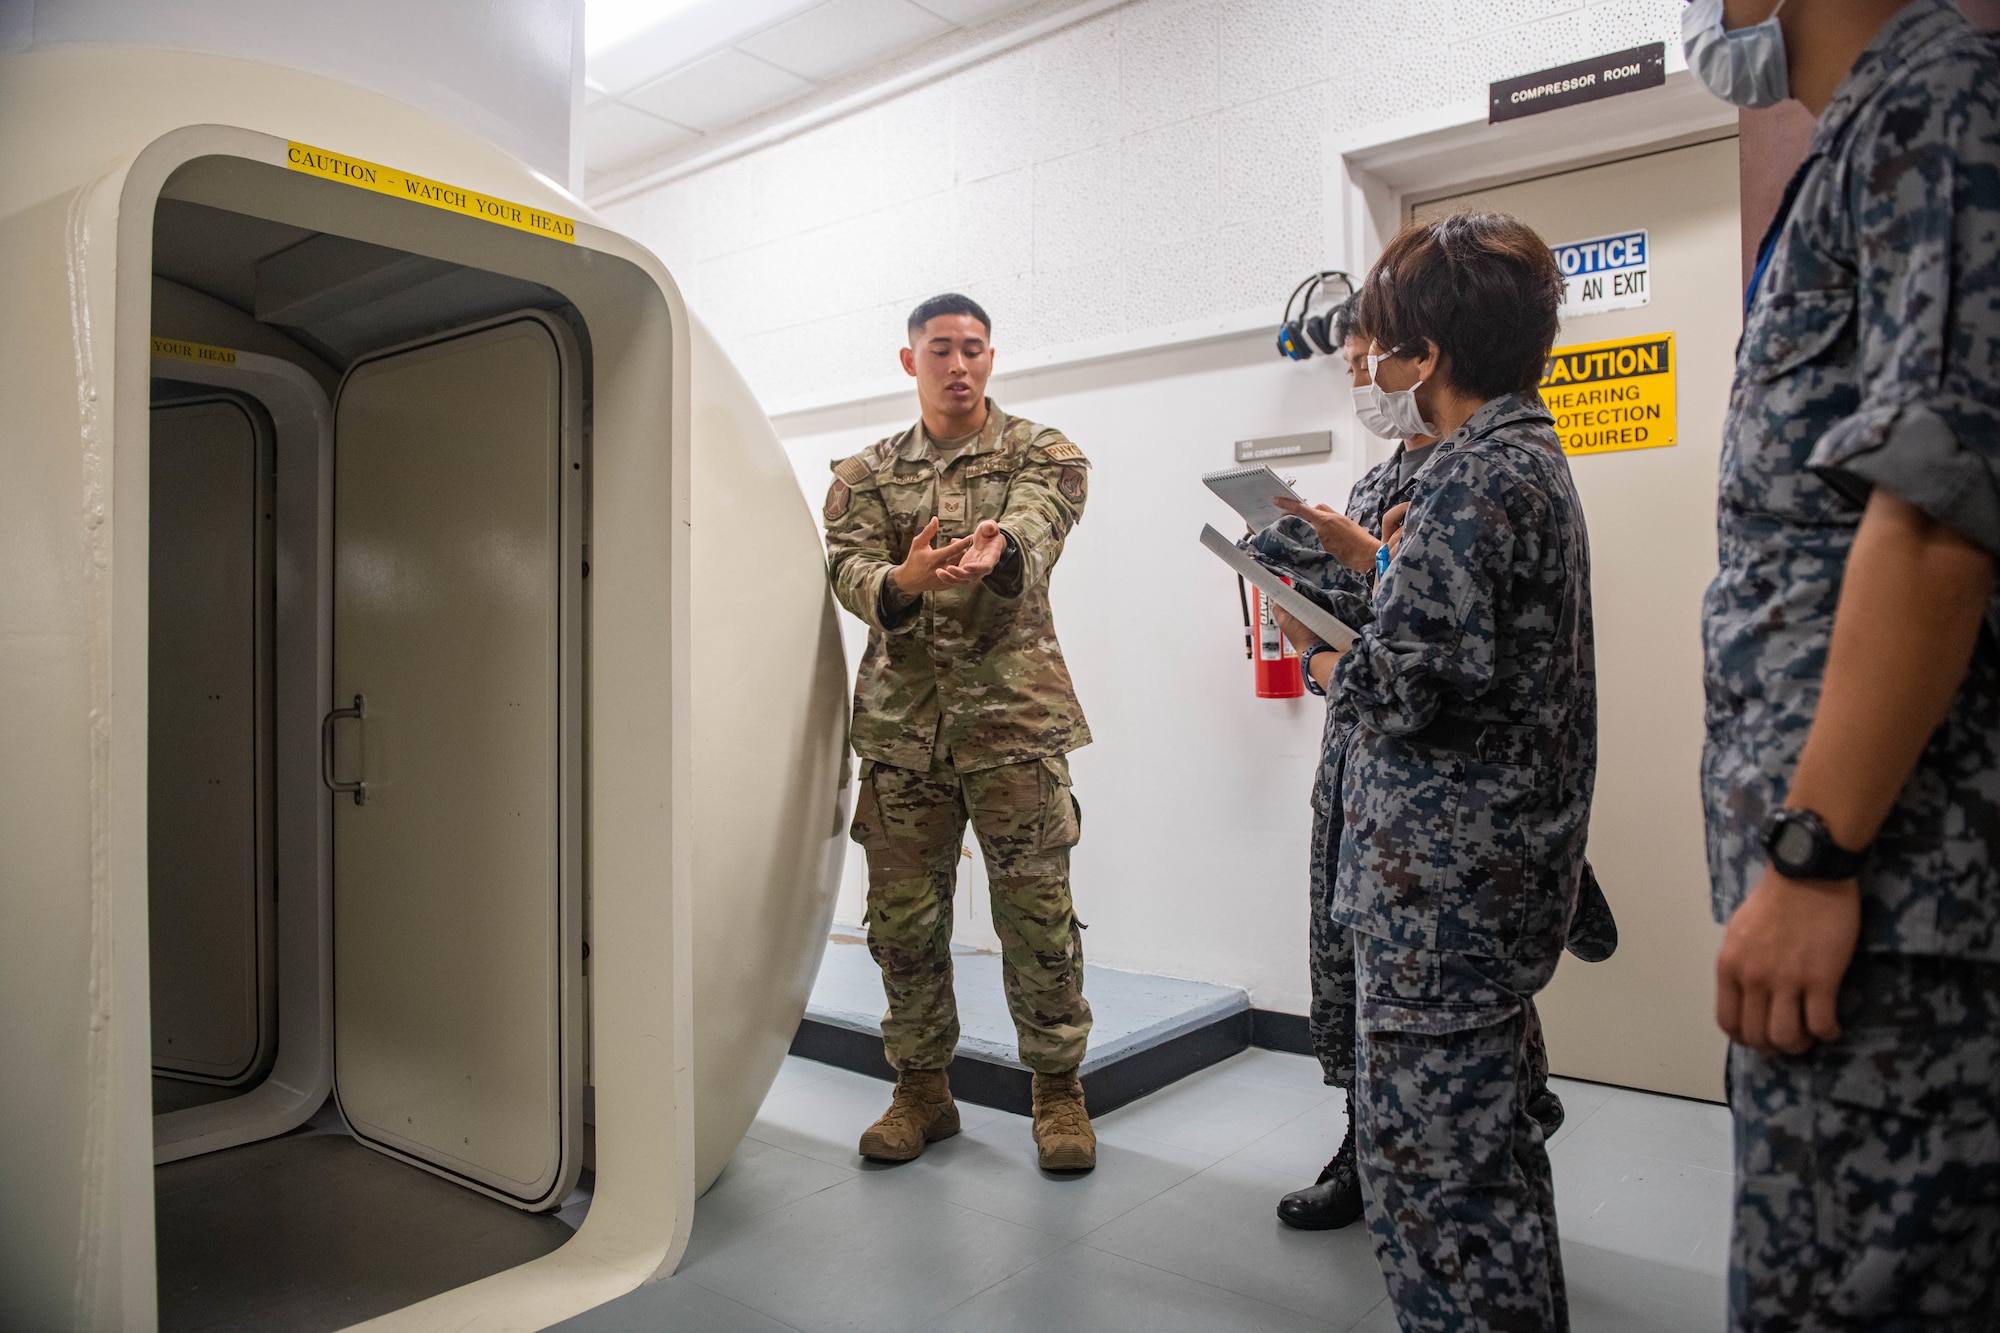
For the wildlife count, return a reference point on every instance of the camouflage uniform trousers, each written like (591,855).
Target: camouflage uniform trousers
(1330,964)
(911,824)
(1330,958)
(1460,1200)
(1868,1169)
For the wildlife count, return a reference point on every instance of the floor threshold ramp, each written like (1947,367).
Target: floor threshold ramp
(1147,1031)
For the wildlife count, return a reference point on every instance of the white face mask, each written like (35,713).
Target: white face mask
(1742,66)
(1389,414)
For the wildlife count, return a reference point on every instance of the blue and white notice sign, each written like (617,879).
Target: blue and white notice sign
(1605,273)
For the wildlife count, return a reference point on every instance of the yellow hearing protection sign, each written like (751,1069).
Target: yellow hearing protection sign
(1612,395)
(423,190)
(187,351)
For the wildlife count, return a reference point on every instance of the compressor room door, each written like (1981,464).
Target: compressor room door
(457,951)
(1646,1017)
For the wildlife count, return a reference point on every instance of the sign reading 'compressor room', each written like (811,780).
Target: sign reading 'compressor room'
(1585,81)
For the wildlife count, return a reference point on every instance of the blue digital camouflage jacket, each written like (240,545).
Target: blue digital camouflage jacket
(1473,687)
(1870,356)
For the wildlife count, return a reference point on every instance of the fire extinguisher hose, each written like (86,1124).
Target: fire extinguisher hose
(1249,630)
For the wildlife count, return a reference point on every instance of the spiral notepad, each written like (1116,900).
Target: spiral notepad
(1250,491)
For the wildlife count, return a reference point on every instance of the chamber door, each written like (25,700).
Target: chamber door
(451,744)
(208,772)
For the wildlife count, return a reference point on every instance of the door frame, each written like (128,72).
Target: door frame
(1377,174)
(300,1078)
(264,434)
(639,774)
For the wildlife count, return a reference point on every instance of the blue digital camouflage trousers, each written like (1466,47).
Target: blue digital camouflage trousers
(1460,1201)
(1868,1169)
(1330,954)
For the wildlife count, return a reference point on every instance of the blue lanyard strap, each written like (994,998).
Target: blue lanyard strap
(1769,245)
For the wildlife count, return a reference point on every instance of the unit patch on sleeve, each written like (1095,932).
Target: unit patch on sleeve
(837,499)
(1071,483)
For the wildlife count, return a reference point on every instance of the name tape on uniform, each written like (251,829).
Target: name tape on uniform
(1610,396)
(423,190)
(1605,273)
(187,351)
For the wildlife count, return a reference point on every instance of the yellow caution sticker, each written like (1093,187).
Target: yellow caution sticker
(423,190)
(1612,395)
(187,351)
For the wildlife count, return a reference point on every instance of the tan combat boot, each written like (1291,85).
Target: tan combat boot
(1063,1136)
(921,1112)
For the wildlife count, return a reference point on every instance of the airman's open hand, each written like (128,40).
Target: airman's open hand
(956,564)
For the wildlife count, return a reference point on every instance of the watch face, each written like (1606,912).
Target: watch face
(1793,845)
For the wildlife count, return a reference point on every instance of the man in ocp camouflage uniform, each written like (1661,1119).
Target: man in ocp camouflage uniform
(942,539)
(1852,768)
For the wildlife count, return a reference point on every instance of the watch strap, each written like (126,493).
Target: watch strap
(1827,860)
(1305,667)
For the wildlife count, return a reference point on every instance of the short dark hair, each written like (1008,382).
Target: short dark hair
(1482,286)
(948,303)
(1340,322)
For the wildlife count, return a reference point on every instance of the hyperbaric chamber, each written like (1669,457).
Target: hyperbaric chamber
(514,798)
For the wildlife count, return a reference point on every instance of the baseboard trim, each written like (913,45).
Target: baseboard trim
(1274,1031)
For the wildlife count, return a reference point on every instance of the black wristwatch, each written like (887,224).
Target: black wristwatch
(1800,847)
(1306,666)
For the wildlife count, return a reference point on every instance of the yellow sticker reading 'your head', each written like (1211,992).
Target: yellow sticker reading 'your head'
(423,190)
(183,350)
(1612,396)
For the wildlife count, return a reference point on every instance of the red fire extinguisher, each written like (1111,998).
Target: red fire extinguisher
(1277,661)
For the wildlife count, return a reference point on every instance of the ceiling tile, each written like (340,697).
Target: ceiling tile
(718,90)
(969,13)
(840,35)
(615,134)
(682,36)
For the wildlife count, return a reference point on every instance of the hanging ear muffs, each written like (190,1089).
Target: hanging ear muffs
(1299,338)
(1292,343)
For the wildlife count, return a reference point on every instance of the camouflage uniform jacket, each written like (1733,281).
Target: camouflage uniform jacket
(1468,781)
(1292,545)
(975,671)
(1870,355)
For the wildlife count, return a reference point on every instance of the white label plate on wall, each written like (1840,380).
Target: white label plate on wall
(1284,446)
(1605,273)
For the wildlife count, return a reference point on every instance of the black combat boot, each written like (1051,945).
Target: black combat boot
(1332,1201)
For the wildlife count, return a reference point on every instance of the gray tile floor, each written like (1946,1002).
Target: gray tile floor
(1173,1231)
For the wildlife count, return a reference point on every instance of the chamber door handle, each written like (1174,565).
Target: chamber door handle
(333,784)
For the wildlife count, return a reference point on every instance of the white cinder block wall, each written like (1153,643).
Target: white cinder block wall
(1151,180)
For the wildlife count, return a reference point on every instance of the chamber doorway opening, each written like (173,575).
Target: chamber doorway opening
(366,711)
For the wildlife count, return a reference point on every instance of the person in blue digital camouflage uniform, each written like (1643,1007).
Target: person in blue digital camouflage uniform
(1465,798)
(1852,768)
(1333,554)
